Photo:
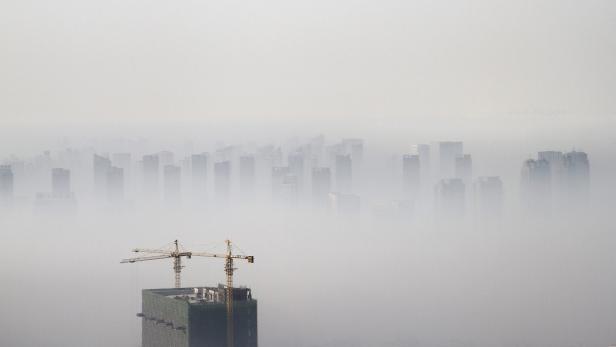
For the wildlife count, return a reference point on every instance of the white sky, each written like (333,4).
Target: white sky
(319,61)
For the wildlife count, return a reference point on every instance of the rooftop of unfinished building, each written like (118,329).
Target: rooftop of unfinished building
(203,295)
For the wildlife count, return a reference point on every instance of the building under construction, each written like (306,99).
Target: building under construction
(197,317)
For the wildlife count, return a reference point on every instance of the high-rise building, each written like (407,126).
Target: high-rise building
(488,197)
(197,317)
(247,175)
(555,158)
(450,198)
(123,161)
(536,180)
(166,158)
(6,182)
(115,184)
(296,167)
(150,166)
(198,167)
(448,152)
(354,147)
(172,184)
(321,185)
(222,179)
(344,173)
(556,162)
(60,182)
(577,175)
(464,168)
(101,167)
(423,151)
(411,175)
(278,175)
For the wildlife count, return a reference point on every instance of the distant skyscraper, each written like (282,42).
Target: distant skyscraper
(556,162)
(355,147)
(423,151)
(222,179)
(61,198)
(150,167)
(172,184)
(555,158)
(450,198)
(278,175)
(411,175)
(123,161)
(115,184)
(488,197)
(577,176)
(198,164)
(296,167)
(247,174)
(464,168)
(166,158)
(344,173)
(6,182)
(448,151)
(536,185)
(101,167)
(321,185)
(60,182)
(332,151)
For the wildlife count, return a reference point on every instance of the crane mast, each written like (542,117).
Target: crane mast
(229,272)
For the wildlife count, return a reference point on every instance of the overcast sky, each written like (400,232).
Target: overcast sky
(392,61)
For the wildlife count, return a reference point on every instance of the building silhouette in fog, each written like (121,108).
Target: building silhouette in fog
(464,168)
(123,161)
(196,317)
(222,179)
(449,197)
(423,151)
(166,158)
(576,176)
(60,182)
(115,184)
(278,175)
(150,167)
(101,167)
(321,185)
(247,171)
(448,152)
(536,181)
(61,198)
(556,162)
(172,188)
(6,183)
(344,173)
(488,197)
(296,167)
(411,175)
(198,168)
(354,147)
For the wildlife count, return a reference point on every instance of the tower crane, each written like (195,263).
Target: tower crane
(176,254)
(229,269)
